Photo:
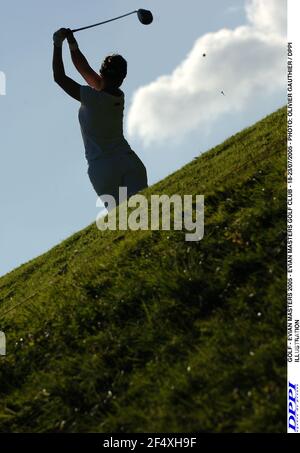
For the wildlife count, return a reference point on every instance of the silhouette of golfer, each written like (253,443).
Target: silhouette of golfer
(111,161)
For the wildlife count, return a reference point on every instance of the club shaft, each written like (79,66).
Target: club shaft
(101,23)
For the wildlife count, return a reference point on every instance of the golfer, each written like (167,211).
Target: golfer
(111,161)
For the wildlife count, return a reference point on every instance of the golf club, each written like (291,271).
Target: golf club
(145,17)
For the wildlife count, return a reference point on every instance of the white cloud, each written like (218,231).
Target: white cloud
(268,15)
(245,62)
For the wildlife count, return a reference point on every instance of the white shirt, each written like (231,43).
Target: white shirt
(101,121)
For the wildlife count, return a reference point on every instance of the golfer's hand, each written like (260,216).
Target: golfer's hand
(59,36)
(70,36)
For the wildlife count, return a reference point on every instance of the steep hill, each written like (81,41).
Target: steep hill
(144,332)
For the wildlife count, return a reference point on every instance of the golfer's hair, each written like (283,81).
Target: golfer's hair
(114,67)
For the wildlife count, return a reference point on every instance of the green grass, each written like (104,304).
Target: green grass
(145,332)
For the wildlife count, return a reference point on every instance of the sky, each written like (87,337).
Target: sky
(174,106)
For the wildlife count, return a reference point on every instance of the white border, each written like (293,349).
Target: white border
(293,371)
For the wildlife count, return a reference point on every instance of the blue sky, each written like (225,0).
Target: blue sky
(45,193)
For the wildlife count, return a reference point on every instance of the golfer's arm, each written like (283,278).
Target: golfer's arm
(58,64)
(81,64)
(71,87)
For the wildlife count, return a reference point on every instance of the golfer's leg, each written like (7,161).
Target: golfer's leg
(135,178)
(106,177)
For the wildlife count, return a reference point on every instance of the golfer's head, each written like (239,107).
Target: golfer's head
(114,69)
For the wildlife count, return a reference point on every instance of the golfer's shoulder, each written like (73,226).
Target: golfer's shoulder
(92,96)
(89,94)
(86,89)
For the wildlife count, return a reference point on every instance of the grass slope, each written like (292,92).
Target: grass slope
(144,332)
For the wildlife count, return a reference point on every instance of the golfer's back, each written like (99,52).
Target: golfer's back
(101,120)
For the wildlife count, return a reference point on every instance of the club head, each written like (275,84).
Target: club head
(145,16)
